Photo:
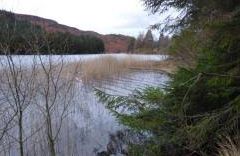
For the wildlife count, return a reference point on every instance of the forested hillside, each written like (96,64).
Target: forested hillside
(113,43)
(22,37)
(197,113)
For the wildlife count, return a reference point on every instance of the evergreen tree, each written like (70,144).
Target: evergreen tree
(201,102)
(148,40)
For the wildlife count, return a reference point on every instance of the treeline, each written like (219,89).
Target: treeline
(145,43)
(65,42)
(197,112)
(22,37)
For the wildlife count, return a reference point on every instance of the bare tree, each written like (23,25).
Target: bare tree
(49,85)
(42,83)
(56,89)
(18,89)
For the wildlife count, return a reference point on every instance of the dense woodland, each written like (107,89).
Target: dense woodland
(22,37)
(197,112)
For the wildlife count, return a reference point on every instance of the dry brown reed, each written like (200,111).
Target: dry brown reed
(105,66)
(229,147)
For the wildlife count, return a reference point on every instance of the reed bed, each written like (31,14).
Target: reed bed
(105,66)
(100,67)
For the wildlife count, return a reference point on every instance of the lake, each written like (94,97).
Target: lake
(82,124)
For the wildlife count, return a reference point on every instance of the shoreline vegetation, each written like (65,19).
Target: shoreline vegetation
(105,66)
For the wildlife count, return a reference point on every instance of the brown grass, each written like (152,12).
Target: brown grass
(229,147)
(109,65)
(104,66)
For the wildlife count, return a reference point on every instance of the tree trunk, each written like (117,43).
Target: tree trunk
(20,126)
(51,141)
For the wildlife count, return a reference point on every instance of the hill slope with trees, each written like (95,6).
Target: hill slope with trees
(113,43)
(22,37)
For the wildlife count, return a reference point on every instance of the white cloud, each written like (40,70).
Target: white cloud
(104,16)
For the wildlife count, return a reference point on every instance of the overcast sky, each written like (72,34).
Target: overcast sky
(127,17)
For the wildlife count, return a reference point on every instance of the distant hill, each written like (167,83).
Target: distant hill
(113,43)
(22,36)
